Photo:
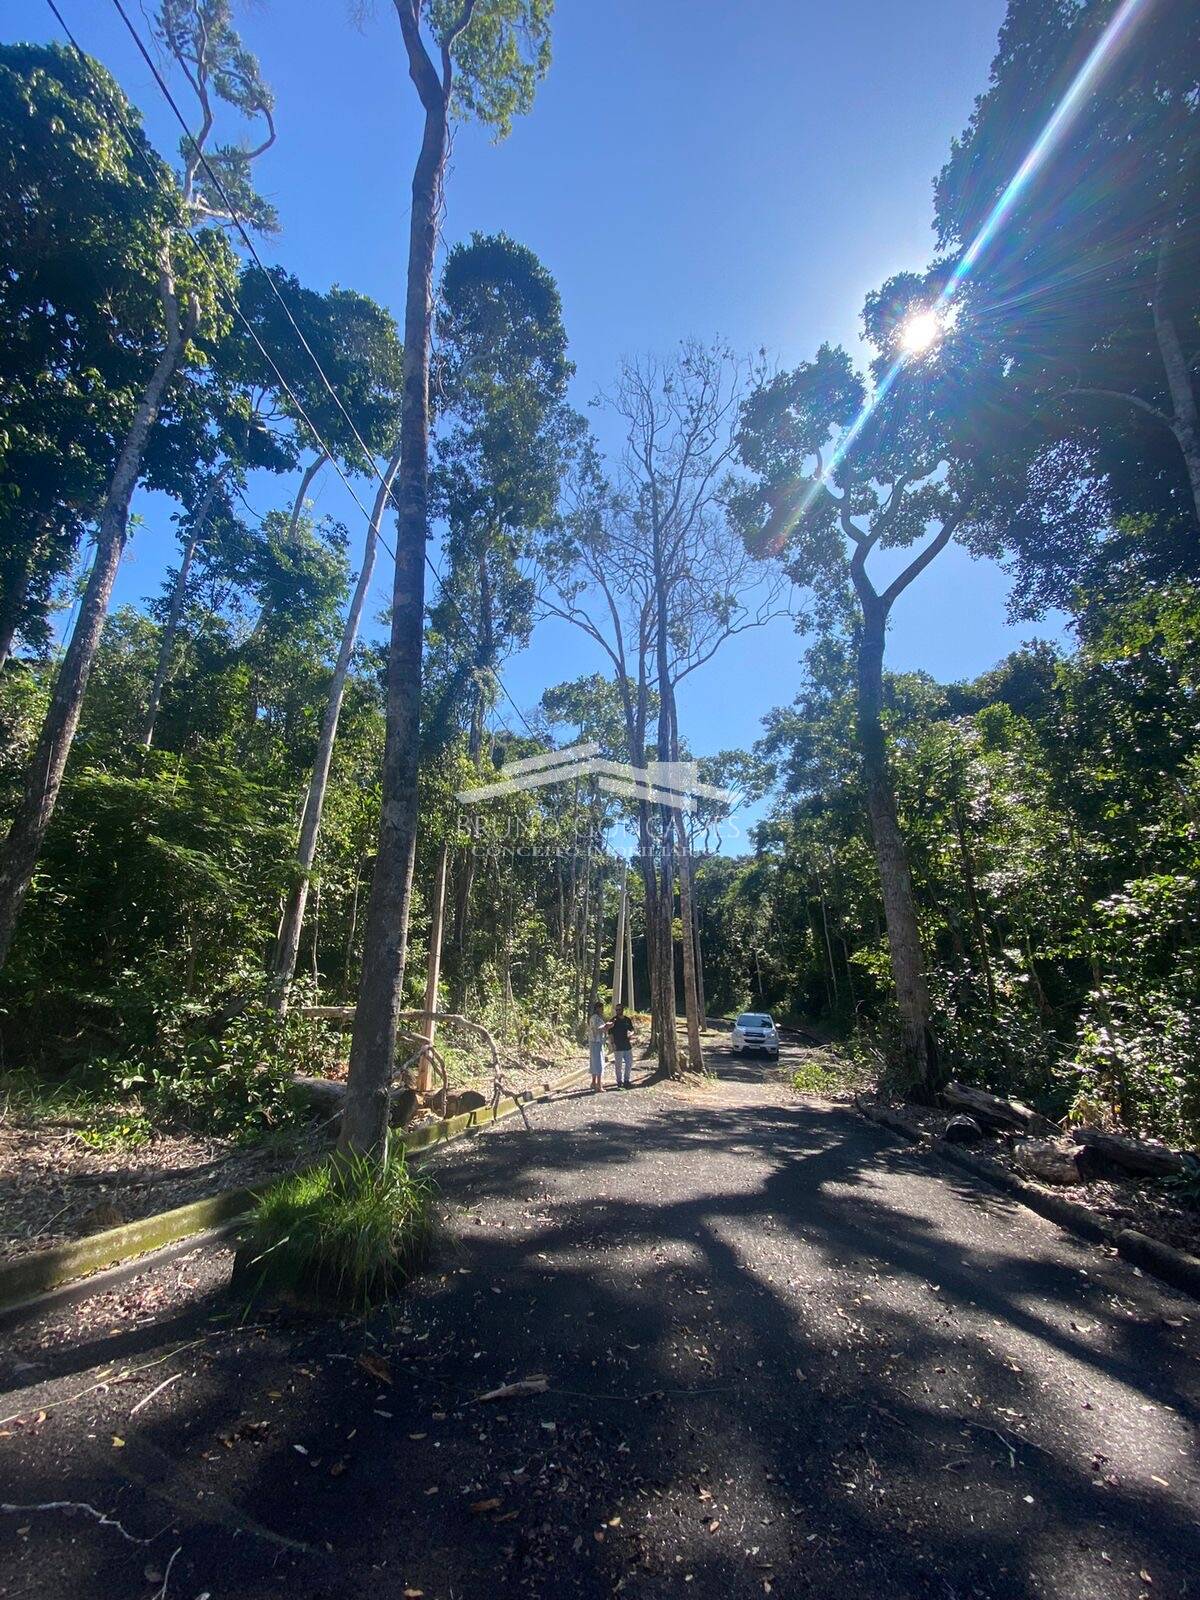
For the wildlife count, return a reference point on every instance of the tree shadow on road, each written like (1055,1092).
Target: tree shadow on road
(780,1358)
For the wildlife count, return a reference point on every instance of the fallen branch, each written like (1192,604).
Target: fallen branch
(517,1391)
(70,1507)
(109,1377)
(146,1399)
(981,1427)
(162,1593)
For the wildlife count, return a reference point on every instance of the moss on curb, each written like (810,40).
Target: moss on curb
(59,1264)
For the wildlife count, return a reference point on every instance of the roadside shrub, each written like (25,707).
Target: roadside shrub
(235,1083)
(841,1069)
(1139,1034)
(239,1083)
(114,1129)
(351,1231)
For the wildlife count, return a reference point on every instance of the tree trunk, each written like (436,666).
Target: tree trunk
(650,897)
(466,871)
(900,914)
(701,999)
(836,1000)
(316,939)
(1186,425)
(691,991)
(691,996)
(288,943)
(20,851)
(598,946)
(351,930)
(619,942)
(668,1043)
(310,473)
(826,968)
(569,919)
(630,996)
(433,966)
(668,1039)
(373,1046)
(581,932)
(178,598)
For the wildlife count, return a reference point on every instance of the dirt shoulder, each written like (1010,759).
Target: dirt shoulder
(1154,1206)
(55,1186)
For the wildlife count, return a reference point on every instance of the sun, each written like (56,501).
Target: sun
(920,332)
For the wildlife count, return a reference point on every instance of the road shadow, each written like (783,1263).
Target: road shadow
(779,1358)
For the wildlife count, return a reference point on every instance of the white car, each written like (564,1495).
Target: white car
(754,1030)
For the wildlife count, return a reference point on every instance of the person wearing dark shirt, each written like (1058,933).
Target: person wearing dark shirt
(621,1029)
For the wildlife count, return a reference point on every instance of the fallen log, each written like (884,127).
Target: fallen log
(1051,1163)
(995,1111)
(326,1097)
(1148,1158)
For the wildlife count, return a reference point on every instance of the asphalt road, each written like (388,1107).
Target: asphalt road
(784,1354)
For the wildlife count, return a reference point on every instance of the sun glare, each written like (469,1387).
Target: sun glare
(921,332)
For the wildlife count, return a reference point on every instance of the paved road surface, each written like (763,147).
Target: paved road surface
(785,1355)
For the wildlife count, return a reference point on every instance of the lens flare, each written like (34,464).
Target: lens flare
(925,327)
(921,332)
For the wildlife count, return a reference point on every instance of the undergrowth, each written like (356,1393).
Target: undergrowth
(350,1231)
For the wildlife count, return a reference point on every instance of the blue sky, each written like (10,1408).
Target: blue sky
(703,167)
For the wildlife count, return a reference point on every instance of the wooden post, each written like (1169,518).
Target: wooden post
(433,969)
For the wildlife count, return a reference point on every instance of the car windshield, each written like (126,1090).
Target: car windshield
(752,1019)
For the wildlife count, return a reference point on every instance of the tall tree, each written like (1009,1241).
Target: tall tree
(287,944)
(81,232)
(1090,291)
(504,434)
(652,572)
(480,59)
(192,267)
(901,479)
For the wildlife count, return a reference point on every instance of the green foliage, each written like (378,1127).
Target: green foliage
(351,1230)
(1066,296)
(117,1131)
(154,881)
(82,225)
(237,1083)
(498,60)
(1049,812)
(814,1077)
(505,433)
(1139,1041)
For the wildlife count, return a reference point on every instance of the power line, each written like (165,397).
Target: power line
(232,305)
(231,210)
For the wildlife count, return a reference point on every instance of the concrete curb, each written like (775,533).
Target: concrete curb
(1176,1267)
(31,1278)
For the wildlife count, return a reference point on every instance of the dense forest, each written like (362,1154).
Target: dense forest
(241,793)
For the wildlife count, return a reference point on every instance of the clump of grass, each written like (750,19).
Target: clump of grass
(350,1231)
